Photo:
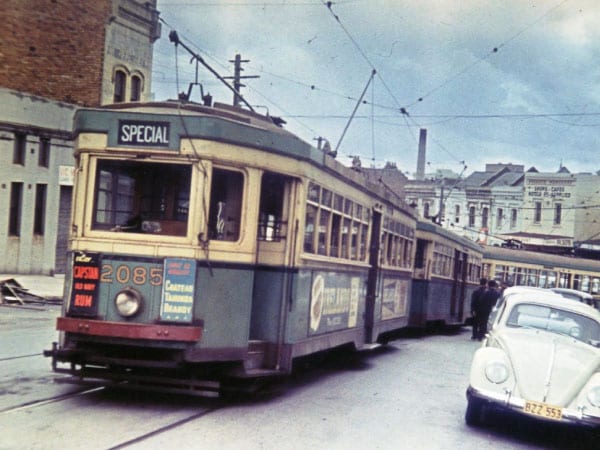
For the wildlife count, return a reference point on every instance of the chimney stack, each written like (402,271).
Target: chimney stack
(421,156)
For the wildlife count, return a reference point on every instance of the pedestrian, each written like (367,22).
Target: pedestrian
(488,301)
(476,307)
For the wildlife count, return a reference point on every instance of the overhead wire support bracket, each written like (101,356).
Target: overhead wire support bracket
(373,72)
(173,37)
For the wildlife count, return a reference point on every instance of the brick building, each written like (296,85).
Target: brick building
(56,55)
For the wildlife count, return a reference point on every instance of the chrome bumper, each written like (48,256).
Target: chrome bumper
(507,402)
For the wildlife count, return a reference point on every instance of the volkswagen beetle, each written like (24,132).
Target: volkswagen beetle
(541,358)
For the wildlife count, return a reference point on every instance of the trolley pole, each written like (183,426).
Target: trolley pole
(237,77)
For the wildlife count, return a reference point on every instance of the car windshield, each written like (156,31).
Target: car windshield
(555,320)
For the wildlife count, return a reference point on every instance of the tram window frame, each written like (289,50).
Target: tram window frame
(310,225)
(533,277)
(564,280)
(443,260)
(227,188)
(595,285)
(323,231)
(334,225)
(577,282)
(501,272)
(585,283)
(272,219)
(141,197)
(396,244)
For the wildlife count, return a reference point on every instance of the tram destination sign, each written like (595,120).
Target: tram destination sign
(144,133)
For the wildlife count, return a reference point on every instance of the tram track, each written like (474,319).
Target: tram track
(10,358)
(165,428)
(46,401)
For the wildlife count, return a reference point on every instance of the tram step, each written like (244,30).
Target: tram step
(257,351)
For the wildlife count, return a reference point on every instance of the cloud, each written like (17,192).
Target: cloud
(436,58)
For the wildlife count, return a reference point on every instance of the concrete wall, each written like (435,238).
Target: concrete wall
(29,252)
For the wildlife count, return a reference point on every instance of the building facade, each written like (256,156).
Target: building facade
(58,55)
(506,205)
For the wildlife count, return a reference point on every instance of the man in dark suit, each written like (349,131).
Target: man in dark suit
(477,308)
(488,301)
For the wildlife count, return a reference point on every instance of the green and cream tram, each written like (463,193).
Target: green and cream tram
(208,244)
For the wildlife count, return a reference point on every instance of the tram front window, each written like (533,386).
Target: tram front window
(142,197)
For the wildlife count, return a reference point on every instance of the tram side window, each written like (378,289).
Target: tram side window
(272,197)
(142,197)
(443,260)
(396,244)
(585,283)
(334,225)
(226,193)
(595,285)
(322,232)
(309,228)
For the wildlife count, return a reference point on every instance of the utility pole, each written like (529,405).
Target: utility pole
(237,77)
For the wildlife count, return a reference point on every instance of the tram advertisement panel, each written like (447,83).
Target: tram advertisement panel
(178,290)
(395,296)
(86,278)
(334,302)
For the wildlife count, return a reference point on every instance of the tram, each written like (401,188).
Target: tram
(210,246)
(518,267)
(447,270)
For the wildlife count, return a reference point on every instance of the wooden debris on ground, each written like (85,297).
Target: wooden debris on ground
(13,293)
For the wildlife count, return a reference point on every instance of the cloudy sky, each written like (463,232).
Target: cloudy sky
(491,80)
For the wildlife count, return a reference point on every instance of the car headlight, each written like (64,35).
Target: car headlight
(593,396)
(496,371)
(128,302)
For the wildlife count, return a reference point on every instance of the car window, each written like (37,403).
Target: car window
(497,311)
(554,320)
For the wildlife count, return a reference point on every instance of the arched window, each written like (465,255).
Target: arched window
(484,217)
(136,88)
(471,216)
(120,81)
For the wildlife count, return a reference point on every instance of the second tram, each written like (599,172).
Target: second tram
(447,270)
(518,267)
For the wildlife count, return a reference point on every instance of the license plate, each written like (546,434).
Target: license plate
(543,410)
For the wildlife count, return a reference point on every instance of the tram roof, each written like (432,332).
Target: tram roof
(441,231)
(546,259)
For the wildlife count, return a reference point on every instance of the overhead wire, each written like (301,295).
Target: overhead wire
(493,51)
(410,120)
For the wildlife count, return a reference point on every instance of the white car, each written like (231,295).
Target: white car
(541,357)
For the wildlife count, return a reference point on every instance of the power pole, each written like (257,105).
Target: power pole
(237,77)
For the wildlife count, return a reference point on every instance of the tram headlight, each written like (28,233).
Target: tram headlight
(128,302)
(496,372)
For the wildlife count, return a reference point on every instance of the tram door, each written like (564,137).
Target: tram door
(373,277)
(275,256)
(459,285)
